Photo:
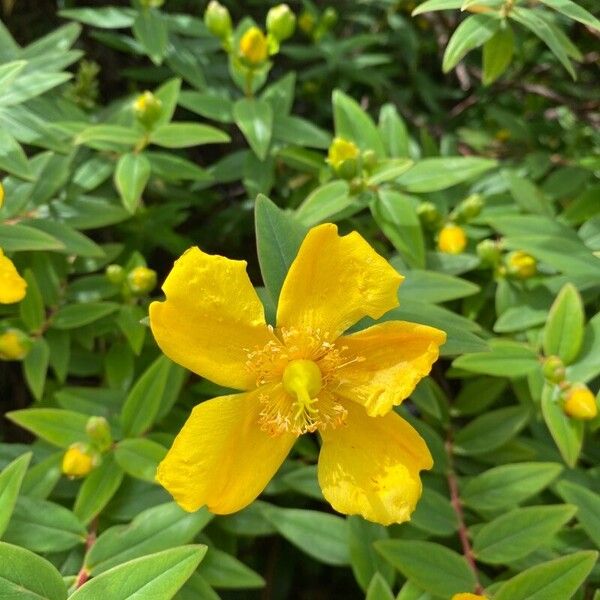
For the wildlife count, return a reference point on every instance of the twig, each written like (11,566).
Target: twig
(90,540)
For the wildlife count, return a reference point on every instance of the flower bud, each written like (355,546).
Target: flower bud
(489,252)
(471,206)
(369,158)
(254,47)
(14,344)
(452,239)
(521,265)
(343,157)
(554,369)
(79,460)
(428,214)
(329,17)
(115,274)
(141,280)
(468,596)
(281,22)
(357,185)
(1,195)
(502,135)
(217,19)
(307,22)
(147,108)
(580,403)
(98,430)
(12,286)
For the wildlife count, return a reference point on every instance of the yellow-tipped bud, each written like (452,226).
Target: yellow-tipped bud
(14,345)
(254,47)
(141,280)
(217,19)
(78,461)
(98,431)
(12,286)
(281,22)
(343,157)
(468,596)
(1,195)
(147,108)
(580,403)
(452,239)
(521,265)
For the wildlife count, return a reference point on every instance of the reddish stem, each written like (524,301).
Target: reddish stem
(90,540)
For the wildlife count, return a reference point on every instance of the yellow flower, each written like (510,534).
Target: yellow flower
(14,345)
(340,151)
(12,285)
(1,195)
(520,264)
(452,239)
(254,47)
(468,596)
(301,376)
(77,461)
(580,403)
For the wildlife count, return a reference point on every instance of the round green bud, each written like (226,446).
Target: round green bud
(115,274)
(369,158)
(330,17)
(217,19)
(429,214)
(554,369)
(98,430)
(471,206)
(141,280)
(147,108)
(348,168)
(281,22)
(489,252)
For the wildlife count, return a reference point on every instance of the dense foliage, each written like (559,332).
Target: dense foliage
(464,146)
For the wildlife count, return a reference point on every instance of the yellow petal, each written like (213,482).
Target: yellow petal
(211,318)
(392,358)
(221,457)
(370,466)
(12,285)
(468,596)
(334,282)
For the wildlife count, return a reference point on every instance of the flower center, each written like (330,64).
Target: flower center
(302,378)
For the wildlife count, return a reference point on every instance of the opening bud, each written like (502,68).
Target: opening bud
(254,47)
(98,431)
(281,22)
(521,265)
(580,403)
(14,344)
(141,280)
(452,239)
(79,460)
(217,19)
(147,108)
(554,369)
(343,157)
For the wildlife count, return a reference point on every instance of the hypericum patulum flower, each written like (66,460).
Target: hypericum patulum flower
(468,596)
(12,285)
(302,376)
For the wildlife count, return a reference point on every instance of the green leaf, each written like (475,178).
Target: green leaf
(43,526)
(557,578)
(9,72)
(519,532)
(210,104)
(110,134)
(471,33)
(175,168)
(563,333)
(17,581)
(528,18)
(131,176)
(433,567)
(300,132)
(528,196)
(588,507)
(429,286)
(41,479)
(379,589)
(221,570)
(157,528)
(323,203)
(107,18)
(431,5)
(505,359)
(509,485)
(73,316)
(151,32)
(393,132)
(255,119)
(140,457)
(389,170)
(397,217)
(497,54)
(567,433)
(354,124)
(364,560)
(73,241)
(11,479)
(157,575)
(97,489)
(58,427)
(278,238)
(411,591)
(13,159)
(434,174)
(168,94)
(184,135)
(18,237)
(35,367)
(573,11)
(322,536)
(491,430)
(144,401)
(434,514)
